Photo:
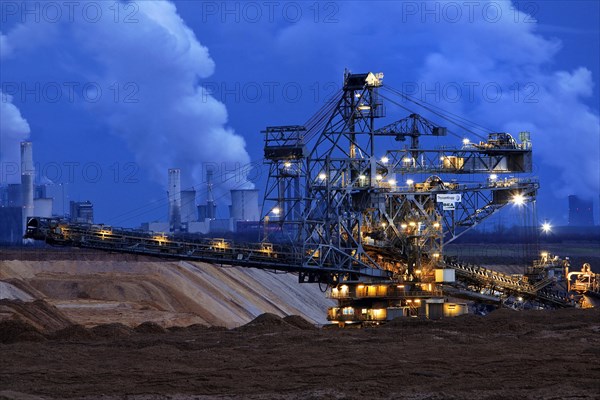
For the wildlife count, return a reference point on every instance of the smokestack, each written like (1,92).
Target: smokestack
(27,176)
(174,194)
(211,207)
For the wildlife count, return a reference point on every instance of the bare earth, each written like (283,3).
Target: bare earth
(506,355)
(72,326)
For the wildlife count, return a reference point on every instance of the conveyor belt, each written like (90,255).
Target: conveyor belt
(509,284)
(263,256)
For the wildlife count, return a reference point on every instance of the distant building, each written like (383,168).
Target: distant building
(82,212)
(186,216)
(11,228)
(221,225)
(14,197)
(580,212)
(155,226)
(189,211)
(42,207)
(244,205)
(59,193)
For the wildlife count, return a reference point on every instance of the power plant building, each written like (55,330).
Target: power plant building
(20,201)
(187,216)
(42,207)
(11,230)
(244,205)
(189,211)
(82,212)
(58,192)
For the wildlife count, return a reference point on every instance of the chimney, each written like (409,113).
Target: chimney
(174,194)
(211,206)
(27,177)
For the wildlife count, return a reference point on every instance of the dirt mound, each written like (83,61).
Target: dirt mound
(199,327)
(543,317)
(39,314)
(433,359)
(112,331)
(299,322)
(74,333)
(149,327)
(266,322)
(13,330)
(408,322)
(465,320)
(503,314)
(176,329)
(507,320)
(195,328)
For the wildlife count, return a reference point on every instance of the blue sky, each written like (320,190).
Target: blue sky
(112,94)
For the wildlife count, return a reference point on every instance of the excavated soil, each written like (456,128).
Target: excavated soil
(90,291)
(505,355)
(149,327)
(129,327)
(299,322)
(38,314)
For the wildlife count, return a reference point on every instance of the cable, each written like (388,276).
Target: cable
(411,111)
(313,125)
(158,204)
(441,115)
(317,122)
(413,99)
(438,113)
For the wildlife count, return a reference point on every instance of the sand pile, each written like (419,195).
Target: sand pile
(100,291)
(38,314)
(12,292)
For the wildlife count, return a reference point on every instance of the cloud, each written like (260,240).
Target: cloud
(149,67)
(13,130)
(526,94)
(175,123)
(503,66)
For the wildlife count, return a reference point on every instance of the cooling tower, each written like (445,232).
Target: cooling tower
(244,205)
(188,206)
